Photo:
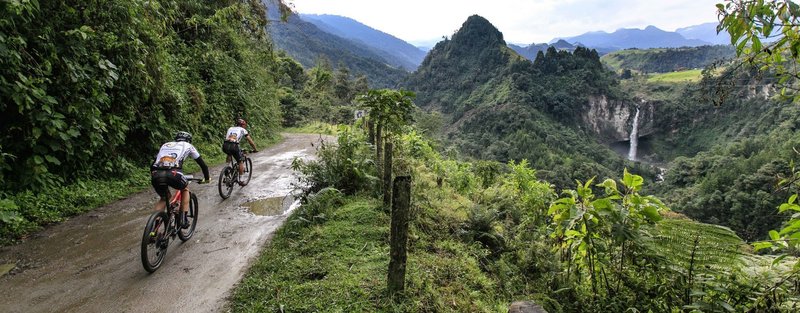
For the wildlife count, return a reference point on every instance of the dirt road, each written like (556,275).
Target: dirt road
(91,263)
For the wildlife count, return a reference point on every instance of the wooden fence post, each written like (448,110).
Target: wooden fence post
(399,235)
(370,132)
(387,174)
(378,150)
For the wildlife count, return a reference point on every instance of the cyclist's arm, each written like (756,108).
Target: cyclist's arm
(250,141)
(203,166)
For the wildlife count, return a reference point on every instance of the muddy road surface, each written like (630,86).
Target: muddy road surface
(91,263)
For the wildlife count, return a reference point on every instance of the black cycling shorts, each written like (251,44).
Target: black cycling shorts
(162,179)
(232,149)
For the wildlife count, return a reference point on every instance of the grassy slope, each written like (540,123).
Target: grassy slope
(614,60)
(340,266)
(340,263)
(676,77)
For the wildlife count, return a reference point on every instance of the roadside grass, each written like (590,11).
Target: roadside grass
(26,212)
(340,265)
(676,77)
(315,127)
(336,266)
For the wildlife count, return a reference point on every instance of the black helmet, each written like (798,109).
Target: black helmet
(183,136)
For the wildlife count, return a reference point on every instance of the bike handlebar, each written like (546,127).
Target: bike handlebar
(191,178)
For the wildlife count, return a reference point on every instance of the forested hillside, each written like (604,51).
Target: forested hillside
(501,106)
(89,93)
(728,147)
(396,51)
(308,44)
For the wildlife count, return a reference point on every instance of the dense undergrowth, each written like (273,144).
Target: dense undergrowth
(90,91)
(484,234)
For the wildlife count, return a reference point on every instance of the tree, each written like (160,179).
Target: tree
(752,22)
(391,109)
(749,22)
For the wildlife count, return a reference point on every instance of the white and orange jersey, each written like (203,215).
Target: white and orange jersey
(172,154)
(235,134)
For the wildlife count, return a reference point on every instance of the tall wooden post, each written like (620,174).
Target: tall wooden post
(387,174)
(370,132)
(399,236)
(379,148)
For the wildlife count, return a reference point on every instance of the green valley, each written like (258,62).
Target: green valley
(552,176)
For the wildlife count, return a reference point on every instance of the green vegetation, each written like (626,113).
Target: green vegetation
(500,106)
(89,93)
(485,234)
(314,128)
(676,77)
(752,23)
(727,148)
(666,60)
(320,94)
(748,23)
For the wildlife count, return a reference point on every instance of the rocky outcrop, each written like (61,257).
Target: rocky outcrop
(612,120)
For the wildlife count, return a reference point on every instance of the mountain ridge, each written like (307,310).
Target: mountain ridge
(625,38)
(393,49)
(307,44)
(498,105)
(706,32)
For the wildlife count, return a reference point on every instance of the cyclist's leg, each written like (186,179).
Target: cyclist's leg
(185,200)
(240,159)
(226,149)
(160,183)
(179,182)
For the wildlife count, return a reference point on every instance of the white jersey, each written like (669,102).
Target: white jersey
(172,154)
(235,134)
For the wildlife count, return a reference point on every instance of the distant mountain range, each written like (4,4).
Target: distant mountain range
(307,43)
(627,38)
(386,59)
(394,50)
(649,37)
(706,32)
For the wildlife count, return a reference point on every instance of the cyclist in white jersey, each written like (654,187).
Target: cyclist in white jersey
(167,171)
(231,144)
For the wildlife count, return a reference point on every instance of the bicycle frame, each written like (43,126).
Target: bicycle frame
(176,199)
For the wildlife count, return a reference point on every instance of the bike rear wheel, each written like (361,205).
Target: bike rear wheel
(226,181)
(248,170)
(155,241)
(186,233)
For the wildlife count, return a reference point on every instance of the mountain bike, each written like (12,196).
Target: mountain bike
(229,176)
(163,225)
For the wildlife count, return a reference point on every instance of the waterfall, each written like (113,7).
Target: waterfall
(634,136)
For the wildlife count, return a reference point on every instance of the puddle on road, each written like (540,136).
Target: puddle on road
(5,268)
(269,206)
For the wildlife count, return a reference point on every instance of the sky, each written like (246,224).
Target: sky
(424,22)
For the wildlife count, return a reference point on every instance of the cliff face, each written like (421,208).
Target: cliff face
(612,120)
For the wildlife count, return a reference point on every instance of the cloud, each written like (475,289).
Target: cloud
(521,21)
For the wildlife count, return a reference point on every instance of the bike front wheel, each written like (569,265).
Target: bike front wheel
(186,233)
(155,241)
